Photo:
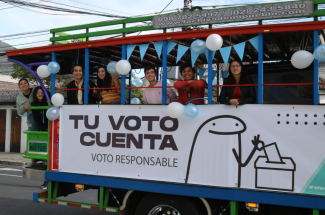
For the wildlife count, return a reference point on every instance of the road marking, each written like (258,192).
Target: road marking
(10,169)
(12,175)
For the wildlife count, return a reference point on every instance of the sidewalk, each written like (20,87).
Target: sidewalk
(11,158)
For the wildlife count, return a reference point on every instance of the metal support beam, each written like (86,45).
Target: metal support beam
(260,69)
(86,79)
(316,71)
(234,208)
(210,78)
(164,74)
(123,77)
(53,76)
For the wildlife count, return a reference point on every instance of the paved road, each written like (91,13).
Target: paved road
(16,197)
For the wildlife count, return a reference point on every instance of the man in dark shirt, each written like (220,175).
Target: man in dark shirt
(77,96)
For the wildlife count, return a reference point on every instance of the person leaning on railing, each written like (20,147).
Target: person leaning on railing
(23,103)
(153,95)
(189,88)
(105,80)
(237,95)
(77,96)
(39,99)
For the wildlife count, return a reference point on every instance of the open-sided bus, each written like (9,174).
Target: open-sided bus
(144,162)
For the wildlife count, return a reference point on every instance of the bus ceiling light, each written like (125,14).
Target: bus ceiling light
(267,30)
(253,207)
(80,187)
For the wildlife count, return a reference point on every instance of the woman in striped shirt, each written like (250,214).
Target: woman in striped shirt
(105,80)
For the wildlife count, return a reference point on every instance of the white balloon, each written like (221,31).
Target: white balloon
(175,110)
(123,67)
(43,72)
(302,59)
(57,99)
(214,42)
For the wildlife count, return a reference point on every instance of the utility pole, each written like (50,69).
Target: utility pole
(186,5)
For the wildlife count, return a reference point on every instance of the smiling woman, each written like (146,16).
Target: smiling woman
(237,95)
(189,88)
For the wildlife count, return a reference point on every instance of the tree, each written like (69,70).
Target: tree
(21,72)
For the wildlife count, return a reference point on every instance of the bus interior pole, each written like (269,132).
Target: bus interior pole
(123,77)
(316,71)
(86,81)
(260,69)
(210,78)
(53,76)
(164,75)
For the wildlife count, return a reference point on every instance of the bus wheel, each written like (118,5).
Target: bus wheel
(160,204)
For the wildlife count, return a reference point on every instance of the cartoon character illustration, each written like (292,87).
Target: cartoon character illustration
(228,129)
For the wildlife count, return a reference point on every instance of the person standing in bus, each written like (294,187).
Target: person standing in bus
(190,89)
(154,95)
(23,103)
(40,118)
(76,96)
(105,80)
(237,95)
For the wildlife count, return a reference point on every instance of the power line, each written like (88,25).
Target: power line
(16,3)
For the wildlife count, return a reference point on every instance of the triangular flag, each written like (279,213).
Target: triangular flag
(143,49)
(214,72)
(170,46)
(201,72)
(181,51)
(129,50)
(194,56)
(225,54)
(254,42)
(213,53)
(240,48)
(158,46)
(224,74)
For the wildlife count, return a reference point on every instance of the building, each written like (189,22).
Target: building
(12,138)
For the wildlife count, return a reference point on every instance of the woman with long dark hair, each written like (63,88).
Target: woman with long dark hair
(237,95)
(40,118)
(105,80)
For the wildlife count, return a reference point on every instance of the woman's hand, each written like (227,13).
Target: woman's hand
(26,107)
(114,78)
(233,102)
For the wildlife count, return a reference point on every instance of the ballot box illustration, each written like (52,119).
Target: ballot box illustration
(273,171)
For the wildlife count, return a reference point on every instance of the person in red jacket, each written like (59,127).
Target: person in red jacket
(189,88)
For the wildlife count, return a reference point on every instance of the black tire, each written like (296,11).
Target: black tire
(183,205)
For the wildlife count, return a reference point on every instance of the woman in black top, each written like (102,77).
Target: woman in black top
(40,118)
(237,95)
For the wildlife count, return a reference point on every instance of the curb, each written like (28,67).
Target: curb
(15,163)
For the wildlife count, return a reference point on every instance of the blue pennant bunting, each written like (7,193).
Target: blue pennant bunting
(129,50)
(143,49)
(254,42)
(201,72)
(224,74)
(181,51)
(225,54)
(158,46)
(214,72)
(213,53)
(194,56)
(170,46)
(240,48)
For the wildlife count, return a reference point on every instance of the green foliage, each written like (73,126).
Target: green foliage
(20,72)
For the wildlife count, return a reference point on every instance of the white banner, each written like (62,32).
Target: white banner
(270,147)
